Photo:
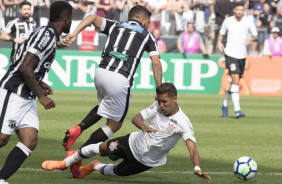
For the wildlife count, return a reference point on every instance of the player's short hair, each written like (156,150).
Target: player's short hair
(138,11)
(25,3)
(239,3)
(58,8)
(168,88)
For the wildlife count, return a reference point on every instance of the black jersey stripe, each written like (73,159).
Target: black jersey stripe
(4,109)
(126,105)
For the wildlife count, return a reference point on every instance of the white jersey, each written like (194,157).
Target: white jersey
(237,34)
(151,149)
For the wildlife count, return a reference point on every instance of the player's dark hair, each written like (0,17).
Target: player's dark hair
(239,3)
(168,88)
(138,11)
(59,8)
(25,3)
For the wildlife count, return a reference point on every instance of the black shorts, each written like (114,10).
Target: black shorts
(119,148)
(235,66)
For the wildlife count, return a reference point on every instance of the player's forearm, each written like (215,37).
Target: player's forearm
(28,75)
(138,121)
(220,38)
(90,19)
(6,37)
(158,72)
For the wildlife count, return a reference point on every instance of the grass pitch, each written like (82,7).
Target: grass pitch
(219,141)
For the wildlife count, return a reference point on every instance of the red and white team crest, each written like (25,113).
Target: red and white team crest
(113,146)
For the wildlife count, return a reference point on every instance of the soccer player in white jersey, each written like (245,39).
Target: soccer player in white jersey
(141,150)
(125,45)
(237,28)
(23,83)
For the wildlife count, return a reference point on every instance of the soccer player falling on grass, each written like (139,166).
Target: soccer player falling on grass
(114,77)
(237,28)
(141,150)
(23,82)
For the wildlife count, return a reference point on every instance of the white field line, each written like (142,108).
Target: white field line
(169,172)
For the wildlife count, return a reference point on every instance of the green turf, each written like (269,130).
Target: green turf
(219,141)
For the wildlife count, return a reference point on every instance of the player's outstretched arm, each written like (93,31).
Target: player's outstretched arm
(195,158)
(157,69)
(89,20)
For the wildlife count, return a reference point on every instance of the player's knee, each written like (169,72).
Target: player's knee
(31,143)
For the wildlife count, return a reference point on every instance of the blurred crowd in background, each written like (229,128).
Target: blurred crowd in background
(170,18)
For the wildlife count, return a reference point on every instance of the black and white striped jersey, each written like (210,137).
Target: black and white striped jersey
(125,46)
(42,43)
(19,28)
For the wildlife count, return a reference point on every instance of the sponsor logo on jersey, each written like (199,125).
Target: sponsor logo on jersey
(113,145)
(133,27)
(44,40)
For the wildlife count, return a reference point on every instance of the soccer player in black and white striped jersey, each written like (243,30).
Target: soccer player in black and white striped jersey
(23,82)
(19,29)
(125,45)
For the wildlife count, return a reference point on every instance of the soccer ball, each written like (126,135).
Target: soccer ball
(245,168)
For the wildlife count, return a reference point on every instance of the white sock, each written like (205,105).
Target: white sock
(105,169)
(107,130)
(227,99)
(86,151)
(235,97)
(25,149)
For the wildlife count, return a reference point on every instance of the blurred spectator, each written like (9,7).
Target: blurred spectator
(11,7)
(190,42)
(2,20)
(264,23)
(176,9)
(273,45)
(273,5)
(121,10)
(161,44)
(156,7)
(104,7)
(199,6)
(19,29)
(40,11)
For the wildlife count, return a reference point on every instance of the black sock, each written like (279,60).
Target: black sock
(13,163)
(97,136)
(91,118)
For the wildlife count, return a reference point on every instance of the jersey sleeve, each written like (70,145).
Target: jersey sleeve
(44,39)
(223,28)
(152,46)
(188,132)
(10,27)
(106,25)
(253,29)
(150,111)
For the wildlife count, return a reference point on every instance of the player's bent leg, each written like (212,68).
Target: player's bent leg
(73,133)
(4,139)
(28,136)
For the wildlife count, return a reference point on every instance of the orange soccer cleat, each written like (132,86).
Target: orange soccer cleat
(74,168)
(70,136)
(86,170)
(50,165)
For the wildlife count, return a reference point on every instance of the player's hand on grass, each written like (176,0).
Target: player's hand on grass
(46,88)
(203,175)
(47,102)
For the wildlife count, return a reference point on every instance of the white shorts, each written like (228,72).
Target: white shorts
(114,93)
(16,112)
